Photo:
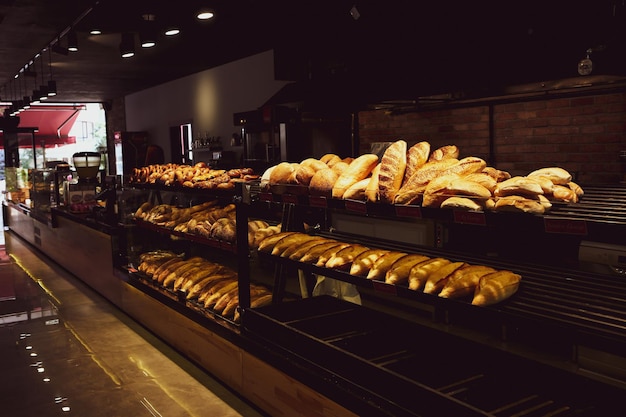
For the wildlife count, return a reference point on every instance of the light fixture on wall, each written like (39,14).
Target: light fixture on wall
(127,45)
(72,41)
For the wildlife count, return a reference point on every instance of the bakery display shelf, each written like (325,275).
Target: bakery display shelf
(410,370)
(176,299)
(206,241)
(209,192)
(567,306)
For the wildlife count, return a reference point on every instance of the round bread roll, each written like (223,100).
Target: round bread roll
(282,173)
(323,181)
(303,174)
(316,164)
(330,159)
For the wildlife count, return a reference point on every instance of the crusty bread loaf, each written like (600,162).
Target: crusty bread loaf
(314,163)
(518,185)
(330,159)
(518,203)
(371,191)
(564,193)
(304,248)
(340,167)
(224,229)
(365,261)
(436,190)
(416,157)
(283,173)
(483,179)
(267,244)
(398,273)
(558,175)
(329,253)
(463,281)
(545,183)
(444,152)
(576,188)
(497,174)
(286,242)
(438,278)
(313,254)
(391,174)
(323,181)
(343,258)
(360,168)
(496,287)
(308,239)
(418,275)
(461,203)
(418,181)
(383,263)
(303,174)
(357,190)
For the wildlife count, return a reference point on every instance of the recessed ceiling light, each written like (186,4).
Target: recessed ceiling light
(172,31)
(205,14)
(96,32)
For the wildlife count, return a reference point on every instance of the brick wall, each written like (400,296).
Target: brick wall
(583,134)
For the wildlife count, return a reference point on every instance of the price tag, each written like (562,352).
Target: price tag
(356,206)
(384,287)
(266,197)
(318,201)
(469,217)
(565,226)
(290,199)
(408,211)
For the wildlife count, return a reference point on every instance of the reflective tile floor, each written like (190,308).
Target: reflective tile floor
(66,351)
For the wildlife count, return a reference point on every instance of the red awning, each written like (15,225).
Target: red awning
(52,124)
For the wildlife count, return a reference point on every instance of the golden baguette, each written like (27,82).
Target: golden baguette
(518,186)
(174,268)
(210,301)
(183,277)
(382,264)
(303,249)
(329,253)
(267,244)
(420,272)
(213,287)
(229,309)
(310,239)
(204,284)
(208,270)
(463,281)
(223,301)
(391,174)
(363,262)
(171,278)
(160,270)
(371,191)
(496,287)
(343,258)
(360,168)
(416,157)
(399,271)
(564,193)
(290,240)
(483,179)
(438,278)
(313,254)
(261,300)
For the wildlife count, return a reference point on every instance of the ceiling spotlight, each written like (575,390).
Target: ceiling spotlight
(127,45)
(205,14)
(52,88)
(95,32)
(72,41)
(171,31)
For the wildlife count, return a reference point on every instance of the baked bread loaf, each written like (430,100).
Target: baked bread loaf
(464,280)
(438,278)
(357,190)
(391,173)
(303,174)
(496,287)
(518,203)
(518,185)
(329,253)
(330,159)
(304,248)
(416,157)
(359,169)
(444,152)
(365,261)
(564,193)
(371,191)
(461,203)
(314,253)
(313,163)
(283,173)
(343,259)
(383,263)
(267,244)
(557,175)
(483,179)
(323,181)
(398,273)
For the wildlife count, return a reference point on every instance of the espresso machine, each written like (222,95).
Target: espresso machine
(80,193)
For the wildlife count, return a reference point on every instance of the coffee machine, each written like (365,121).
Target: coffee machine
(80,193)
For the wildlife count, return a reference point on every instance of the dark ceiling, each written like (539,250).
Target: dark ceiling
(378,49)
